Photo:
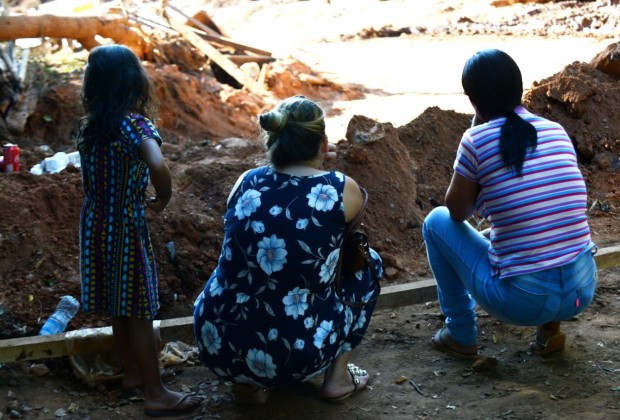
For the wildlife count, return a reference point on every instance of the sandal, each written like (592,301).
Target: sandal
(187,404)
(356,372)
(553,344)
(246,394)
(443,342)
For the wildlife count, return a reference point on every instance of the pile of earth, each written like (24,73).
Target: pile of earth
(210,138)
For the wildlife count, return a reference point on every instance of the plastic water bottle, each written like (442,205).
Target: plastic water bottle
(57,322)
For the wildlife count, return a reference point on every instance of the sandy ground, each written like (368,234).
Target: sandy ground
(405,75)
(408,378)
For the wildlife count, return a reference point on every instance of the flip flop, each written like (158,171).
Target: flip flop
(553,344)
(356,372)
(190,400)
(443,342)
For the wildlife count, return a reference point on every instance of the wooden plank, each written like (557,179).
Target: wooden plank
(195,21)
(85,341)
(608,257)
(33,348)
(210,35)
(260,59)
(181,329)
(220,59)
(407,294)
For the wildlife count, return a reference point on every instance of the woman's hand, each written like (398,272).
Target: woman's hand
(331,152)
(156,204)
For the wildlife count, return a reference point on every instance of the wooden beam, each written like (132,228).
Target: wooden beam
(220,59)
(211,35)
(182,329)
(240,59)
(85,341)
(608,257)
(407,294)
(195,21)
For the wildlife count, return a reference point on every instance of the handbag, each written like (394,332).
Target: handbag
(355,256)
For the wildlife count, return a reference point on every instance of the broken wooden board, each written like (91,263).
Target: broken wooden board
(211,35)
(243,58)
(181,329)
(220,59)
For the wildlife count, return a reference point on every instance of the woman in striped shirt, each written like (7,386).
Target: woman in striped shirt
(535,265)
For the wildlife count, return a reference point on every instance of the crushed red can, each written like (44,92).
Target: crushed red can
(10,153)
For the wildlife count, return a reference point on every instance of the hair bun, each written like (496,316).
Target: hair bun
(273,121)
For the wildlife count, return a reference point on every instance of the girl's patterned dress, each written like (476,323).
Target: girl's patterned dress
(117,262)
(269,313)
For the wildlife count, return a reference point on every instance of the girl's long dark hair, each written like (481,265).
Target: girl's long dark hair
(493,82)
(115,83)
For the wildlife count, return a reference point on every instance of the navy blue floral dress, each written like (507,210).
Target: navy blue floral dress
(269,313)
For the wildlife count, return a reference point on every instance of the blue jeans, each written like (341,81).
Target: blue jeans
(457,255)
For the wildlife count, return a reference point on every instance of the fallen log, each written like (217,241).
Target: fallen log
(82,29)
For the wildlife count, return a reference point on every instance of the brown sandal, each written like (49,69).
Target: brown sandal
(553,344)
(443,342)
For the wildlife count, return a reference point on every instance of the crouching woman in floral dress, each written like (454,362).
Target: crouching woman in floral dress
(269,315)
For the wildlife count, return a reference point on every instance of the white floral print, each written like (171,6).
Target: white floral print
(211,341)
(215,289)
(271,254)
(242,297)
(301,223)
(261,363)
(271,297)
(360,321)
(296,302)
(322,332)
(228,253)
(329,266)
(247,204)
(273,334)
(322,197)
(275,210)
(258,227)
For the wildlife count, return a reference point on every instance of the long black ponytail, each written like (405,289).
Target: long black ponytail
(493,82)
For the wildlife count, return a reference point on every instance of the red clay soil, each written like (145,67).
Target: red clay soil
(405,169)
(209,139)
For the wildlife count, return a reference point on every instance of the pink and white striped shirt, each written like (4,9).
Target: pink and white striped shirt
(538,221)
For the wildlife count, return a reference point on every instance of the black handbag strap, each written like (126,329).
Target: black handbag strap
(350,227)
(358,217)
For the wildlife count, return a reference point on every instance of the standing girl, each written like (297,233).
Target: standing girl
(119,149)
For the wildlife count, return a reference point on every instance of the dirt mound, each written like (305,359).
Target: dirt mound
(577,98)
(529,18)
(210,137)
(432,139)
(376,158)
(580,97)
